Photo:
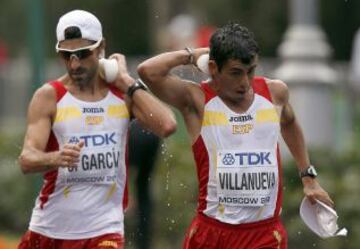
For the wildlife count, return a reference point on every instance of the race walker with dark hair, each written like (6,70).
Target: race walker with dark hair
(233,41)
(234,120)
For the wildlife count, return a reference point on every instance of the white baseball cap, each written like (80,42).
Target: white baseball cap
(89,25)
(321,219)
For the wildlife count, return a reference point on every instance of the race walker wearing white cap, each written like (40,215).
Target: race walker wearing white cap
(88,24)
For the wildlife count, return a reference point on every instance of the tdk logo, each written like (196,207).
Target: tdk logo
(242,118)
(247,159)
(228,159)
(73,140)
(93,110)
(99,139)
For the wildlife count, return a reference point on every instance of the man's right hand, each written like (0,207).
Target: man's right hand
(68,156)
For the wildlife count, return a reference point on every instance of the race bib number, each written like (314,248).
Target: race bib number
(100,159)
(246,178)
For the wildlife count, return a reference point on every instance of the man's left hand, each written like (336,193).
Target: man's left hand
(314,191)
(124,80)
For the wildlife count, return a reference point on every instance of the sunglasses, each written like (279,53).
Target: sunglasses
(80,54)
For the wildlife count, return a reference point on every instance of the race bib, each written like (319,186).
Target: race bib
(100,159)
(246,178)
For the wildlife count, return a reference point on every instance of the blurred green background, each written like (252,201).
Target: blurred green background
(129,24)
(134,27)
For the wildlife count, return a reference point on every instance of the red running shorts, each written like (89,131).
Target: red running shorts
(32,240)
(208,233)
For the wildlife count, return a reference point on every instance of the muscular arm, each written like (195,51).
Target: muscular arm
(153,114)
(148,110)
(290,128)
(33,157)
(184,95)
(169,88)
(294,139)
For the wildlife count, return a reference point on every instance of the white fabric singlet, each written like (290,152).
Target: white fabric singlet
(237,160)
(86,201)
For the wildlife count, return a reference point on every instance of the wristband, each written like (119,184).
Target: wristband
(138,84)
(191,55)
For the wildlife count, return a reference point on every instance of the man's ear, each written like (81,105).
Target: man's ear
(213,72)
(213,68)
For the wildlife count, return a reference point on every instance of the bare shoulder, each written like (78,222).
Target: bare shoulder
(44,100)
(279,91)
(46,90)
(45,93)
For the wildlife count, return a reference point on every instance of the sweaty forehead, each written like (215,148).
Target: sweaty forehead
(75,43)
(238,64)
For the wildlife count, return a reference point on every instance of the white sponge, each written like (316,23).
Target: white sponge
(108,69)
(203,63)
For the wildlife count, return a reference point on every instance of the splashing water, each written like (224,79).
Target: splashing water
(166,157)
